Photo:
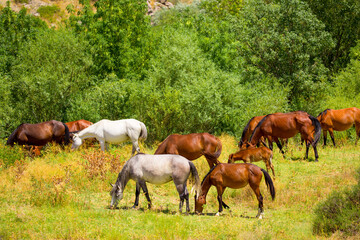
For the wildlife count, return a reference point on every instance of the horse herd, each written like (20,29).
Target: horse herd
(172,159)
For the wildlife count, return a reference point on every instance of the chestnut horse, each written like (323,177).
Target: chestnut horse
(78,125)
(234,175)
(287,125)
(73,126)
(339,120)
(253,154)
(39,134)
(192,146)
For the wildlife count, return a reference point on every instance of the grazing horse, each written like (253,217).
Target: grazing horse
(156,169)
(235,175)
(339,120)
(287,125)
(192,146)
(253,154)
(39,134)
(78,125)
(106,131)
(73,126)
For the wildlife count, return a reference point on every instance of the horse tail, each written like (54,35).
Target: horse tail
(269,183)
(255,132)
(317,126)
(12,137)
(67,134)
(195,175)
(143,133)
(219,149)
(243,135)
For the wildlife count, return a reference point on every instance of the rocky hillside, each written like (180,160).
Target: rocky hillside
(54,11)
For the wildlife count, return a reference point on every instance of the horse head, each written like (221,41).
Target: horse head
(199,202)
(116,195)
(77,141)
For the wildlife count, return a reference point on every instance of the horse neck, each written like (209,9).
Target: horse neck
(123,177)
(255,137)
(85,133)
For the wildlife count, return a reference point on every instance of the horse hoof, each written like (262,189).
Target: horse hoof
(217,214)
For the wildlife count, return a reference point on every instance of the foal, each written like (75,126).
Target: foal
(253,154)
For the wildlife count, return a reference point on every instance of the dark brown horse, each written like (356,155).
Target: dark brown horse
(40,134)
(339,120)
(73,126)
(192,146)
(253,154)
(287,125)
(234,175)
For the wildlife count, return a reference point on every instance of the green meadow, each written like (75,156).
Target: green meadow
(64,194)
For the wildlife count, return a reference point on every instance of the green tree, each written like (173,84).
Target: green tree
(118,33)
(285,39)
(342,21)
(48,73)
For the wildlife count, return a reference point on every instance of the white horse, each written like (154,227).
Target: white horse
(106,131)
(156,169)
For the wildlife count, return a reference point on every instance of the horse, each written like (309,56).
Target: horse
(234,175)
(73,126)
(78,125)
(287,125)
(155,169)
(40,134)
(339,120)
(249,129)
(253,154)
(192,146)
(107,131)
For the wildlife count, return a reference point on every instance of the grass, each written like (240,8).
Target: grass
(64,194)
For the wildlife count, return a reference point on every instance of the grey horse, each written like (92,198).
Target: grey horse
(156,169)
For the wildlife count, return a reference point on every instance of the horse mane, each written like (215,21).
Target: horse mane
(244,131)
(11,138)
(323,112)
(121,176)
(257,126)
(317,126)
(212,169)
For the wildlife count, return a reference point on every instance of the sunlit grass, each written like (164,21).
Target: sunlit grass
(65,194)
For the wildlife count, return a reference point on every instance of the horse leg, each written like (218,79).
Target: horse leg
(184,195)
(220,191)
(144,188)
(325,136)
(279,146)
(315,152)
(307,149)
(332,136)
(102,144)
(137,193)
(255,187)
(357,130)
(135,147)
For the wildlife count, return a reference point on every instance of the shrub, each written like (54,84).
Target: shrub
(9,155)
(340,212)
(48,12)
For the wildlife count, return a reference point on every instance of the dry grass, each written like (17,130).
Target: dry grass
(64,194)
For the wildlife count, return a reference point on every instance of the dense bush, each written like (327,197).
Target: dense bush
(340,212)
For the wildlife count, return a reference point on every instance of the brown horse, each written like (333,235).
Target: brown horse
(234,176)
(287,125)
(249,129)
(253,154)
(40,134)
(78,125)
(339,120)
(192,146)
(73,126)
